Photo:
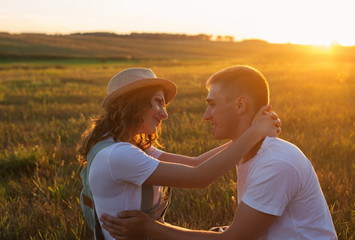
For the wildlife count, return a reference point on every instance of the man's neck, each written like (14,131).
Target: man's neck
(241,127)
(252,152)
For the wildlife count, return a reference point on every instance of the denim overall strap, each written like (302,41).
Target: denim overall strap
(92,153)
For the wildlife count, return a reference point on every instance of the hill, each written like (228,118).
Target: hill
(107,46)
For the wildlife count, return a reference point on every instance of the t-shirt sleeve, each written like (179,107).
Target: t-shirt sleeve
(154,152)
(129,163)
(271,186)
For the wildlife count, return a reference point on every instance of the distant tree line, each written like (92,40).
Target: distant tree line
(155,36)
(162,36)
(226,38)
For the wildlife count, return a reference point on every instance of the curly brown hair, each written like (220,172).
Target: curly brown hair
(121,121)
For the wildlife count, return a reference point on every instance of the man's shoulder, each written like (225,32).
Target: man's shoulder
(277,141)
(281,152)
(279,145)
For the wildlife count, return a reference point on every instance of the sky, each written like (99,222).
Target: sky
(319,22)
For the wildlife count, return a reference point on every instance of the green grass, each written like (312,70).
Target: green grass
(45,106)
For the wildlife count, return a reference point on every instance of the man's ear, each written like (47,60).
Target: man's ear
(242,104)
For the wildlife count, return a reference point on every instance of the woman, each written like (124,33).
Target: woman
(134,109)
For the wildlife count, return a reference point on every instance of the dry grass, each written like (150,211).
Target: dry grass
(45,107)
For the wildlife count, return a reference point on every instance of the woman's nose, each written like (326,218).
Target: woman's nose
(163,113)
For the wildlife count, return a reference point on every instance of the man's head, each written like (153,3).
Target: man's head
(235,95)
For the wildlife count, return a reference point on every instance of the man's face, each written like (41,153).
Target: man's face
(223,114)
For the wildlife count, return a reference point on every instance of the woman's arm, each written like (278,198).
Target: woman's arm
(191,161)
(176,175)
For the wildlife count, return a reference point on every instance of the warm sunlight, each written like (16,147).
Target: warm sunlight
(302,22)
(86,88)
(306,22)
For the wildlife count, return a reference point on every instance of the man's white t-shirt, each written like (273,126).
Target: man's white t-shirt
(280,180)
(116,175)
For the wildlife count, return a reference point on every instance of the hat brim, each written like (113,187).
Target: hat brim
(168,86)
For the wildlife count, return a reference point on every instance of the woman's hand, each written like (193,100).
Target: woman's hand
(128,225)
(267,122)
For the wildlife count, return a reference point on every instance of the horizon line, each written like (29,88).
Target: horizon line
(214,36)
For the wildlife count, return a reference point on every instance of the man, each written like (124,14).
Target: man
(279,194)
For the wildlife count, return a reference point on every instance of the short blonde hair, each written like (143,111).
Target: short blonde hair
(243,79)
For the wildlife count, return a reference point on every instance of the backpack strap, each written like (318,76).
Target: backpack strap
(156,213)
(147,198)
(95,149)
(88,200)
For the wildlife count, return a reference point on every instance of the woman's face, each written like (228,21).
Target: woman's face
(155,114)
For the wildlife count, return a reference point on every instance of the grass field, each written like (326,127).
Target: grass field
(46,105)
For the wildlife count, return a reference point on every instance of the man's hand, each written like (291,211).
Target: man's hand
(127,225)
(267,122)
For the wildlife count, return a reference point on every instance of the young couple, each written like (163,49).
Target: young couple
(279,194)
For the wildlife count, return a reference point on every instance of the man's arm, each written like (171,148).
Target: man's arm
(248,223)
(134,225)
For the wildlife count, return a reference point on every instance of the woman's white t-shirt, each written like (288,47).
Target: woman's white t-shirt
(116,175)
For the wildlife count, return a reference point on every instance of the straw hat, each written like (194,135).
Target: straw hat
(134,78)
